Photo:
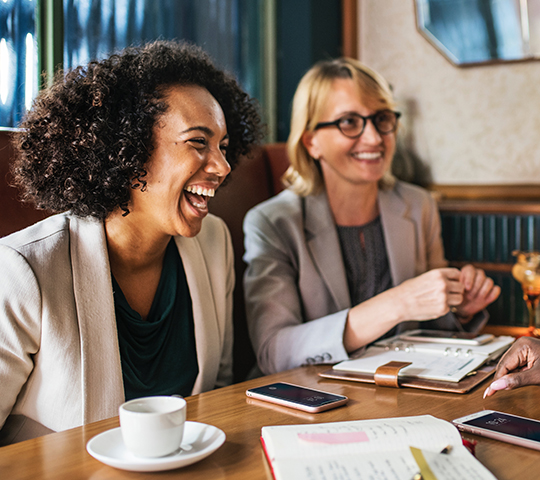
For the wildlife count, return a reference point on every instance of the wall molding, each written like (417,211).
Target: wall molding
(486,266)
(488,199)
(486,192)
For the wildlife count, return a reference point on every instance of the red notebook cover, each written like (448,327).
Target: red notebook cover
(268,457)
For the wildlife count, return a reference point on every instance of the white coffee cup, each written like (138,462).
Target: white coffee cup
(153,426)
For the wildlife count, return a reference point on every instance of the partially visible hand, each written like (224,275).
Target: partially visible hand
(479,292)
(431,294)
(518,367)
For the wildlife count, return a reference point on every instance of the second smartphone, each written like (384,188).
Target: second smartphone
(294,396)
(521,431)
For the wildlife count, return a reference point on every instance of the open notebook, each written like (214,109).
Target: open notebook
(430,362)
(375,449)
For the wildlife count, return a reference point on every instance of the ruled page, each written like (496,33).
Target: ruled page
(369,449)
(360,436)
(452,467)
(396,465)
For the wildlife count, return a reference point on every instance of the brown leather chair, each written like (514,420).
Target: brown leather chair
(255,179)
(14,215)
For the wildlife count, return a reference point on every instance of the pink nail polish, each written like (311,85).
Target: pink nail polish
(486,392)
(499,384)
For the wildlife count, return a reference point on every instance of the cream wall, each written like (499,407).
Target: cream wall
(474,125)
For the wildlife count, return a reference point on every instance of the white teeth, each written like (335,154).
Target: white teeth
(198,205)
(206,192)
(367,155)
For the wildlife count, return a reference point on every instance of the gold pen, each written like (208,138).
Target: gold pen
(445,450)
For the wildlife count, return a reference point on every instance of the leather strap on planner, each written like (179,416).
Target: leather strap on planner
(387,375)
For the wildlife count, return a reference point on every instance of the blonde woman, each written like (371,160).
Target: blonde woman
(347,253)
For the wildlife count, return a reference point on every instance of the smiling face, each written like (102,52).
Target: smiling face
(349,161)
(186,165)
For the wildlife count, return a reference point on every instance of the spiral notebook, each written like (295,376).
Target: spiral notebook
(435,366)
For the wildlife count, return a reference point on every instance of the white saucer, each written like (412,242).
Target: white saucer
(199,441)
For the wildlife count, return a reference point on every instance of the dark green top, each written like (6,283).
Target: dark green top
(158,355)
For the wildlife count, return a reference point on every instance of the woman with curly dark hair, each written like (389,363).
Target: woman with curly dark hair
(127,291)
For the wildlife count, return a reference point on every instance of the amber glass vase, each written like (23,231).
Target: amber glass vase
(526,271)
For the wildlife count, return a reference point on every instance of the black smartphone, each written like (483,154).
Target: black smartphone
(502,426)
(295,396)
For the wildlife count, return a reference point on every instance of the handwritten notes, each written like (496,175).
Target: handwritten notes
(368,449)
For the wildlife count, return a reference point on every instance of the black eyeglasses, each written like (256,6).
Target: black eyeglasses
(352,125)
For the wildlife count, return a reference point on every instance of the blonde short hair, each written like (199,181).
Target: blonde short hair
(304,175)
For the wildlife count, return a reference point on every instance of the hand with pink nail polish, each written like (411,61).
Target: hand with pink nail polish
(519,366)
(500,384)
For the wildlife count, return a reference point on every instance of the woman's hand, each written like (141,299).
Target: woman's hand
(479,292)
(431,294)
(518,367)
(425,297)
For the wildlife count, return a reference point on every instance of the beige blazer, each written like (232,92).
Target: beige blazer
(59,355)
(297,297)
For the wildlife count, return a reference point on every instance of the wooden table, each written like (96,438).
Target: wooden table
(63,455)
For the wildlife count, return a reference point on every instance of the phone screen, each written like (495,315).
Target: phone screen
(508,424)
(293,393)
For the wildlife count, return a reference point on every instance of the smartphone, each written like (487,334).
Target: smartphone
(295,396)
(443,336)
(521,431)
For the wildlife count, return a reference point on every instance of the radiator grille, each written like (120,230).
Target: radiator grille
(487,241)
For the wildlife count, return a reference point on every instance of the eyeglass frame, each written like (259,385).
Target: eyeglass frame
(364,119)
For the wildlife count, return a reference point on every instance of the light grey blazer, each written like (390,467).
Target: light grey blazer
(296,291)
(59,355)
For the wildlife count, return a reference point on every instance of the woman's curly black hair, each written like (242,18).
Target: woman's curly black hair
(84,144)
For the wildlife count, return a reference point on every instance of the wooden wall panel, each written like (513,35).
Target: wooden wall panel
(487,240)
